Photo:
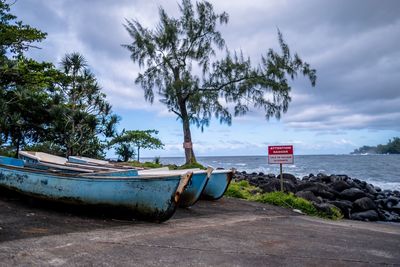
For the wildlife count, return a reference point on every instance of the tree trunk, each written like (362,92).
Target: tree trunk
(138,153)
(187,137)
(18,145)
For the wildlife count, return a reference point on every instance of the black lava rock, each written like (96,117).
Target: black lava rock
(345,207)
(363,204)
(369,215)
(352,194)
(340,185)
(308,195)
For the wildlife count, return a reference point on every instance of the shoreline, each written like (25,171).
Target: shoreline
(356,199)
(380,170)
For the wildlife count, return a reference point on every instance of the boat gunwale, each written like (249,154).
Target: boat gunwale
(88,177)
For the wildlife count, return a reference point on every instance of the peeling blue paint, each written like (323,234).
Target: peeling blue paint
(151,197)
(217,184)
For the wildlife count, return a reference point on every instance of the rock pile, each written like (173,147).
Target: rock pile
(357,199)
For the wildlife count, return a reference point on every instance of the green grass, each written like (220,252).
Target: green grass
(192,166)
(147,164)
(244,190)
(157,164)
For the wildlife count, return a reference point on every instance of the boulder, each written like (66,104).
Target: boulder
(396,208)
(308,195)
(288,176)
(305,178)
(370,189)
(340,185)
(275,185)
(318,189)
(322,177)
(324,207)
(345,206)
(363,204)
(369,215)
(389,216)
(352,194)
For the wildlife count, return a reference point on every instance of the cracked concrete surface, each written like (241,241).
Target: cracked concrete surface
(228,232)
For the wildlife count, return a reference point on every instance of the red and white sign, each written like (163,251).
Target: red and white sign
(280,154)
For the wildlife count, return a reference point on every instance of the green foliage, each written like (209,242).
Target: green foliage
(157,160)
(47,147)
(24,83)
(83,113)
(194,165)
(139,139)
(15,37)
(7,152)
(125,152)
(392,147)
(170,52)
(145,164)
(41,105)
(244,190)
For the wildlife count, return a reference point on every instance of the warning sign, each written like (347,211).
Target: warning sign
(280,154)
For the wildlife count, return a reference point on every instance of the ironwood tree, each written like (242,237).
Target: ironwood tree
(82,113)
(178,58)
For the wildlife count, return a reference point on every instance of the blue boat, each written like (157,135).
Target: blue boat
(217,184)
(195,187)
(45,161)
(151,197)
(85,160)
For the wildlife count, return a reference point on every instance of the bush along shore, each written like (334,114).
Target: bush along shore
(357,200)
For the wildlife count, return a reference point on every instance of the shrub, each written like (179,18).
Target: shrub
(246,191)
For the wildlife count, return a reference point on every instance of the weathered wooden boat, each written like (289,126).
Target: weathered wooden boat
(151,197)
(45,161)
(95,162)
(85,160)
(217,184)
(195,188)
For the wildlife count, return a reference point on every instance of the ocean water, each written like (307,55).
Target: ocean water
(379,170)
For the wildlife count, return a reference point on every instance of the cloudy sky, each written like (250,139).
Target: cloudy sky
(354,45)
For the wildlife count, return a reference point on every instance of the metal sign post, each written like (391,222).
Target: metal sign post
(281,177)
(280,155)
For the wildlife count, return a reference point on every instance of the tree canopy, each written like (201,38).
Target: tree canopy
(83,114)
(63,110)
(128,140)
(23,82)
(392,147)
(171,53)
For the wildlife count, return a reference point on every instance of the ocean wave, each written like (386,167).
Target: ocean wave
(384,185)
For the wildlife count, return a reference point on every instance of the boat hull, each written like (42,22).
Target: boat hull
(195,187)
(149,198)
(217,185)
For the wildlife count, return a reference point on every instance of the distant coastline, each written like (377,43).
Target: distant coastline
(392,147)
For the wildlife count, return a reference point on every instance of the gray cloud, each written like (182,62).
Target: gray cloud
(352,44)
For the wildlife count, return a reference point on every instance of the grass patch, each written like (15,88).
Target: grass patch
(157,164)
(194,165)
(242,190)
(147,164)
(246,191)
